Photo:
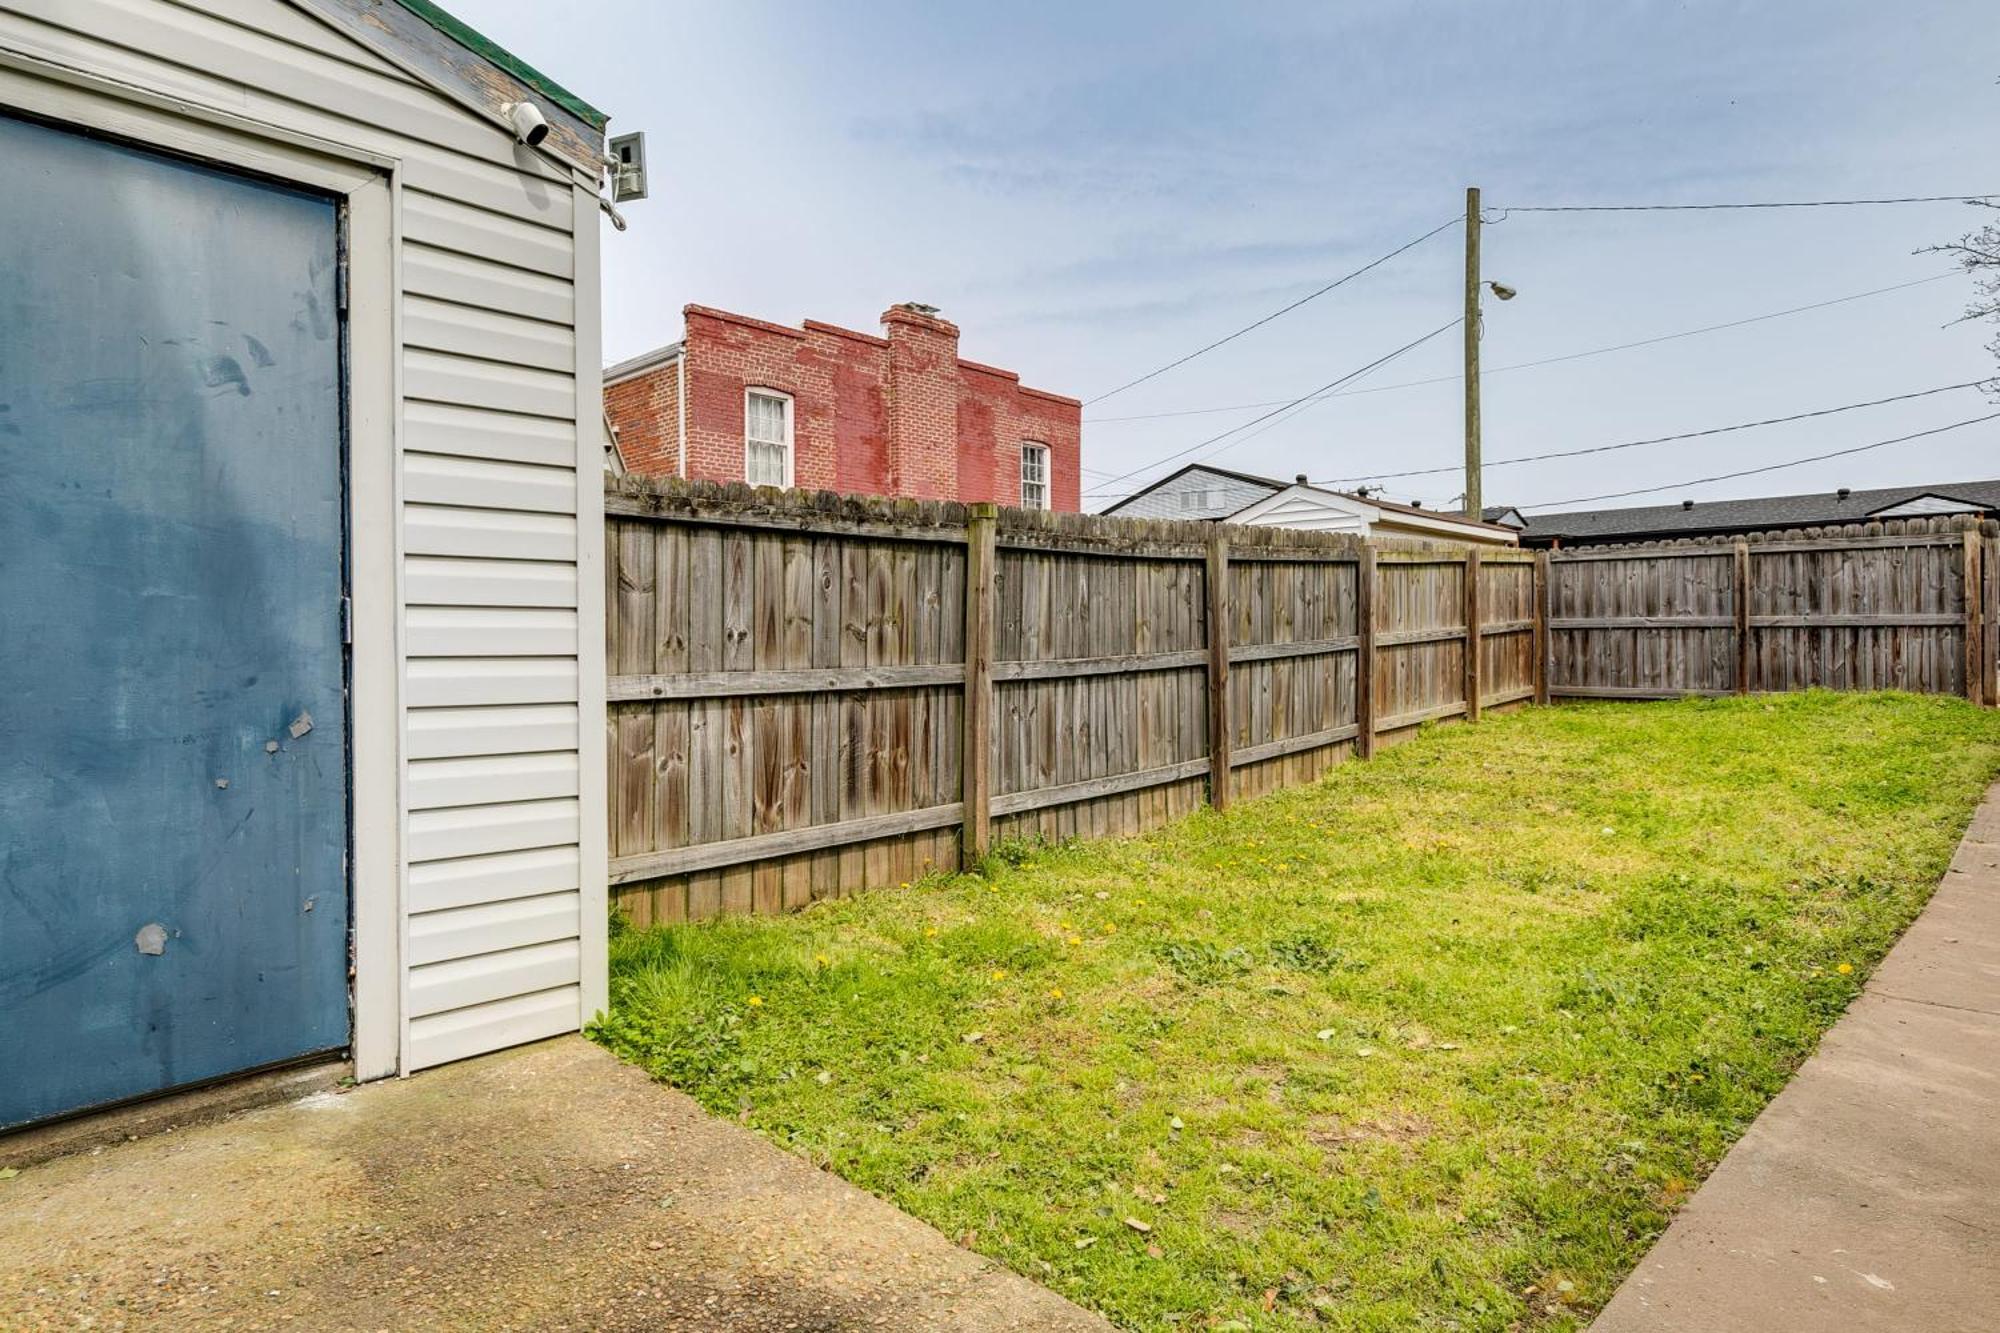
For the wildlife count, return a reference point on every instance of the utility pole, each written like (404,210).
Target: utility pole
(1472,501)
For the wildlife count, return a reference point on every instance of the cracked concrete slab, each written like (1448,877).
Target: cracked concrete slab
(548,1187)
(1867,1196)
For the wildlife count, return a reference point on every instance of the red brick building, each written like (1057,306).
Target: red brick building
(823,407)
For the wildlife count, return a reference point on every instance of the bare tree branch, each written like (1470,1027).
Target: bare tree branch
(1977,253)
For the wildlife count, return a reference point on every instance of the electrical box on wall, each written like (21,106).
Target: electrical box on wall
(628,179)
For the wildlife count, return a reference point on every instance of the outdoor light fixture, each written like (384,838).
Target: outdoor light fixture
(1503,291)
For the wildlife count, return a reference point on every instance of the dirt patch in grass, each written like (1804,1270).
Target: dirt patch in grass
(1439,1041)
(1332,1133)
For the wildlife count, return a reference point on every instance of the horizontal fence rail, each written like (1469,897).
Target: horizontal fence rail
(811,694)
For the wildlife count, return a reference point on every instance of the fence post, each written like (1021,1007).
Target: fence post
(1990,571)
(1975,684)
(976,764)
(1472,634)
(1539,592)
(1219,781)
(1364,656)
(1742,600)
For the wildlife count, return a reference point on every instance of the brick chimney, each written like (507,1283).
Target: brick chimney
(922,398)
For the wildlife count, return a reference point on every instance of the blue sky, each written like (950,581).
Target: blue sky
(1090,190)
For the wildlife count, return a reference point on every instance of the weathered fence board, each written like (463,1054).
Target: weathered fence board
(1294,646)
(1655,622)
(1507,630)
(1845,609)
(797,680)
(1420,662)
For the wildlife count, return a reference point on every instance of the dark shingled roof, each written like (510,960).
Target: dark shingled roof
(1705,517)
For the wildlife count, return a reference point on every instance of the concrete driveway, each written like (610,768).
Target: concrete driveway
(544,1188)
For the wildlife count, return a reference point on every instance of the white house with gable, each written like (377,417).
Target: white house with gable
(1199,491)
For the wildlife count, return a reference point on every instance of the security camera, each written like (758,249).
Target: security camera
(529,125)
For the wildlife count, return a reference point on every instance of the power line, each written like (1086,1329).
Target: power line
(1552,360)
(1310,296)
(1769,467)
(1661,439)
(1305,397)
(1279,420)
(1500,216)
(1701,208)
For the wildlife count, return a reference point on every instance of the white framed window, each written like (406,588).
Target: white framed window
(767,437)
(1034,476)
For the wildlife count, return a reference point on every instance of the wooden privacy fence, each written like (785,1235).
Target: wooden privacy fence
(1905,605)
(812,694)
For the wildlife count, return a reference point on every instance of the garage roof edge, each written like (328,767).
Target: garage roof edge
(485,47)
(457,62)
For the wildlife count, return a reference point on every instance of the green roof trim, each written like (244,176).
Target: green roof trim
(479,44)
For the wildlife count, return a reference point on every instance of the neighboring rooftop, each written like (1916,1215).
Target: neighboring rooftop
(645,361)
(1196,491)
(1697,518)
(1200,491)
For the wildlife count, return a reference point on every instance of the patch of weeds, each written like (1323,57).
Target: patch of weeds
(1014,852)
(1591,991)
(706,1051)
(1201,963)
(1309,951)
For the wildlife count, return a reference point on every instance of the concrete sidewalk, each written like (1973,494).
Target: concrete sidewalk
(1867,1196)
(543,1188)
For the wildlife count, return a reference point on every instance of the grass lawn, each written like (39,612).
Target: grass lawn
(1440,1041)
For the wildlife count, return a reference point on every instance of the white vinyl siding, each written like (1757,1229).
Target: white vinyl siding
(493,612)
(1307,512)
(1198,493)
(1034,476)
(1920,506)
(767,438)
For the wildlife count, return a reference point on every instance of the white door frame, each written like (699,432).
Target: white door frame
(369,187)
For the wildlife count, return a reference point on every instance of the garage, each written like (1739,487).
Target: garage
(298,372)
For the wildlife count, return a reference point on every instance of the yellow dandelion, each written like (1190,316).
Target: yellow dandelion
(1110,928)
(930,932)
(1075,940)
(999,974)
(1844,968)
(756,1001)
(821,959)
(1055,992)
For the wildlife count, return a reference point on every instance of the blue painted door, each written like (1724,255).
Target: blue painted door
(173,736)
